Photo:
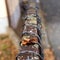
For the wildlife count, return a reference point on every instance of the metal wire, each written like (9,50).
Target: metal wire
(32,33)
(34,26)
(32,52)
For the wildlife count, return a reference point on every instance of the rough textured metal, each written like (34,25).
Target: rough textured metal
(31,48)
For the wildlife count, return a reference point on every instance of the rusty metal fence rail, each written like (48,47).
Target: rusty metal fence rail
(30,44)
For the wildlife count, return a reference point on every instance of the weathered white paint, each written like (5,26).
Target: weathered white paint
(14,10)
(3,12)
(3,17)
